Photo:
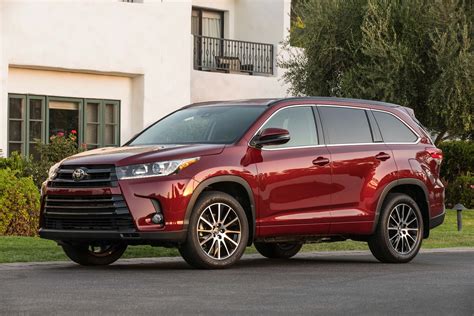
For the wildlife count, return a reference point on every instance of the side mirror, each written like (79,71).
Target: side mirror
(271,136)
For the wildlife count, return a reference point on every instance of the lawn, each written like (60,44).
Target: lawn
(27,249)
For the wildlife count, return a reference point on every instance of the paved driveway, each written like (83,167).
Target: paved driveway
(435,283)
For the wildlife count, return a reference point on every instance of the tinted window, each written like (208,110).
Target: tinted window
(299,121)
(393,130)
(345,125)
(201,125)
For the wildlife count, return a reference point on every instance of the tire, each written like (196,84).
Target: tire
(221,241)
(278,250)
(99,254)
(394,241)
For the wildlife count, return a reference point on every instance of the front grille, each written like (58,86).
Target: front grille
(91,212)
(96,176)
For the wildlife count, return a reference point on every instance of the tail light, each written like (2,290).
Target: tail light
(436,154)
(436,159)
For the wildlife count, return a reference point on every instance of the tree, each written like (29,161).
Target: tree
(416,53)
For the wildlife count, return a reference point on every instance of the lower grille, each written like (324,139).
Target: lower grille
(105,213)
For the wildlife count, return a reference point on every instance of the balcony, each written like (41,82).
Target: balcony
(232,56)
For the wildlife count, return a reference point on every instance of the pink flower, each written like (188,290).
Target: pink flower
(74,132)
(60,134)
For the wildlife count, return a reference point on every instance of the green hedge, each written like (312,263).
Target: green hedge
(458,159)
(461,191)
(457,172)
(19,204)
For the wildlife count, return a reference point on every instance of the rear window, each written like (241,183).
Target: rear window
(393,130)
(345,125)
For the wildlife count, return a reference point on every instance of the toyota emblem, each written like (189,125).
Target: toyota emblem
(79,174)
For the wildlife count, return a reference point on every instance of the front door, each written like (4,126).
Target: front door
(294,178)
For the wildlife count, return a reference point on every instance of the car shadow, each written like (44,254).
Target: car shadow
(246,263)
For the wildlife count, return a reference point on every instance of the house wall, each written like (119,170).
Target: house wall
(3,87)
(266,21)
(140,53)
(243,87)
(99,37)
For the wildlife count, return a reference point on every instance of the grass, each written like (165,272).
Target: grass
(29,249)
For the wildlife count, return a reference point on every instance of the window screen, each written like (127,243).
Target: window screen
(345,125)
(299,121)
(393,130)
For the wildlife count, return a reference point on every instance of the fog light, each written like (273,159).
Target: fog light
(157,218)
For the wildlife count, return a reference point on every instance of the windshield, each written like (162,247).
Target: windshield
(201,125)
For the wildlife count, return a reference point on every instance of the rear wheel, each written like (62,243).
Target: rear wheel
(278,250)
(399,232)
(218,232)
(94,254)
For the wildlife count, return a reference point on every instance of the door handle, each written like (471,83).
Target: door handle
(382,156)
(320,161)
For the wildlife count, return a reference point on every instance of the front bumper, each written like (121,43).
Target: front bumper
(175,237)
(140,196)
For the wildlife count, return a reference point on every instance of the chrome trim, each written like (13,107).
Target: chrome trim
(333,145)
(294,147)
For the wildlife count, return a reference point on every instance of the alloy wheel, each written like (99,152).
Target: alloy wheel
(403,229)
(219,231)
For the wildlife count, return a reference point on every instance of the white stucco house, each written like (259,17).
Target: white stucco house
(108,68)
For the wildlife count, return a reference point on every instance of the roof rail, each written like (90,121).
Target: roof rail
(335,99)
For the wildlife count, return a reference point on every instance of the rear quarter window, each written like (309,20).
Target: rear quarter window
(393,129)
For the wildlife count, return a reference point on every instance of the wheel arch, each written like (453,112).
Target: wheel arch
(414,188)
(235,186)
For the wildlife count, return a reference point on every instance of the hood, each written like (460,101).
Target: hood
(130,155)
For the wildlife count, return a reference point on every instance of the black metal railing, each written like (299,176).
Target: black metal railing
(225,55)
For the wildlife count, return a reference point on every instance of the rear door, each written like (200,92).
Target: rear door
(361,165)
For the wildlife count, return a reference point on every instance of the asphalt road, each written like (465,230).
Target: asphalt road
(315,283)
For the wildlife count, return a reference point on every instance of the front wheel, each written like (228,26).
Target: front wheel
(94,254)
(278,250)
(218,232)
(399,232)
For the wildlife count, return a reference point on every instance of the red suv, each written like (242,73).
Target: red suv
(213,178)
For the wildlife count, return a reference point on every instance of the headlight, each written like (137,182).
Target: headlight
(53,171)
(154,169)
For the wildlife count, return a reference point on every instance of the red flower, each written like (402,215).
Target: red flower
(74,132)
(60,134)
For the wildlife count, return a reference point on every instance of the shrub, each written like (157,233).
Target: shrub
(458,159)
(457,172)
(461,191)
(16,163)
(19,204)
(60,146)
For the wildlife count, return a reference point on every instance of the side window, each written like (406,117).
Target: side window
(393,130)
(345,125)
(299,121)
